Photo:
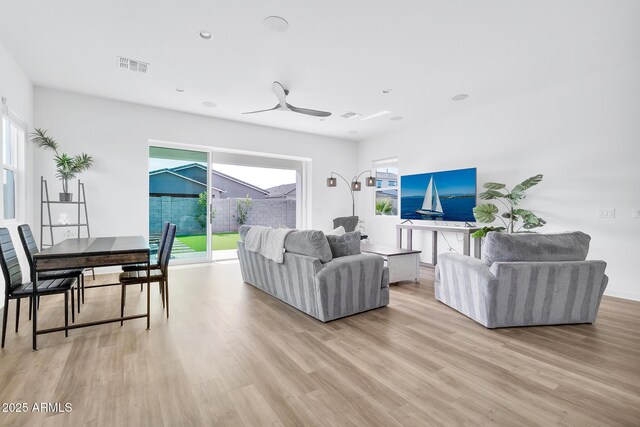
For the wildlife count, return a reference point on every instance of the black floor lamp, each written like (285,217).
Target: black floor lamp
(354,185)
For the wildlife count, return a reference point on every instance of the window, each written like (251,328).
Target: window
(386,197)
(12,137)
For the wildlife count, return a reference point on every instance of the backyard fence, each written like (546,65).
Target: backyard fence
(183,212)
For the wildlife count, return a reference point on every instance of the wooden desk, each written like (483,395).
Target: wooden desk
(88,253)
(434,229)
(403,264)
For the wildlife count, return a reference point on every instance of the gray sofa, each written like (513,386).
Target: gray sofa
(312,280)
(524,280)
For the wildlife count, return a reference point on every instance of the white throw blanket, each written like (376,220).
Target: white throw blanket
(267,241)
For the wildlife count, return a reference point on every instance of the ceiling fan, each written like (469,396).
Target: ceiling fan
(281,94)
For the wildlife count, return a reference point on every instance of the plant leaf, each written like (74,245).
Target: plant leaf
(491,194)
(485,213)
(486,230)
(41,140)
(528,183)
(494,186)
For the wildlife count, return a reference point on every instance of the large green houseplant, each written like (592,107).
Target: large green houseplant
(513,218)
(67,167)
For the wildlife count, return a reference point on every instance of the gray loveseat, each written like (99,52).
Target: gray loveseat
(524,280)
(313,281)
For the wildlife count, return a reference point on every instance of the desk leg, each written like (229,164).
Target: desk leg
(477,251)
(399,237)
(466,245)
(149,293)
(34,308)
(434,247)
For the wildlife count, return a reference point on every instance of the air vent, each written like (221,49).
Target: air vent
(133,64)
(350,115)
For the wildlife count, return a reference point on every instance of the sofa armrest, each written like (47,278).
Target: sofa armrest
(466,284)
(350,284)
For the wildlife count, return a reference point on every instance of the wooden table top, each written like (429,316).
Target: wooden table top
(385,250)
(95,246)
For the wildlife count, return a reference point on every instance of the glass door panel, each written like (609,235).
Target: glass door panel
(178,182)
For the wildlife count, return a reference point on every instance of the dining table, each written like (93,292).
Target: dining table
(83,253)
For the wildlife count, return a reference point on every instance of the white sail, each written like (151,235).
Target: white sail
(431,204)
(437,207)
(428,197)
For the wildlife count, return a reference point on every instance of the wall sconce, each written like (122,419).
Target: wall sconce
(353,185)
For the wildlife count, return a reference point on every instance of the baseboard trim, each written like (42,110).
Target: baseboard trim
(621,294)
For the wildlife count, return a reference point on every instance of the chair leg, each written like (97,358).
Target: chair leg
(141,287)
(38,301)
(66,314)
(94,278)
(30,306)
(73,306)
(78,290)
(123,295)
(5,312)
(18,313)
(166,294)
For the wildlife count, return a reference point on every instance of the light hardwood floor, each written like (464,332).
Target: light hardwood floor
(232,355)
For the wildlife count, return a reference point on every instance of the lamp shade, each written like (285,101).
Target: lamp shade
(371,181)
(332,182)
(356,186)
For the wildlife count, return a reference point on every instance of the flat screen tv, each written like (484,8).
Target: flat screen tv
(446,195)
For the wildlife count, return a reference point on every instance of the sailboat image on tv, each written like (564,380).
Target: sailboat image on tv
(431,205)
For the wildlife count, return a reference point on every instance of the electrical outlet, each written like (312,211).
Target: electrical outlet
(606,213)
(635,212)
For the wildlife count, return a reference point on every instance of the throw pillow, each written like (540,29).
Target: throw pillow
(339,231)
(344,245)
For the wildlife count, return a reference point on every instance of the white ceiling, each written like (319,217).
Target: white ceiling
(337,55)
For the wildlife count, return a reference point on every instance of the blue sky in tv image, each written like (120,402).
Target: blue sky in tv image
(446,195)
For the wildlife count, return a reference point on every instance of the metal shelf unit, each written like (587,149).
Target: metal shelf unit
(45,205)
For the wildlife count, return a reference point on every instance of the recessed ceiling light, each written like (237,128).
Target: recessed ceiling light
(179,89)
(386,90)
(277,24)
(209,104)
(205,35)
(378,114)
(322,120)
(353,132)
(396,118)
(460,97)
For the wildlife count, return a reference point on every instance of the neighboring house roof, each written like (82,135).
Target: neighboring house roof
(171,172)
(280,191)
(386,175)
(215,172)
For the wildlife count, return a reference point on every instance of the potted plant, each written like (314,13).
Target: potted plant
(487,212)
(67,167)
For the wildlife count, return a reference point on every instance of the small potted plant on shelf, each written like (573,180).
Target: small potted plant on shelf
(67,167)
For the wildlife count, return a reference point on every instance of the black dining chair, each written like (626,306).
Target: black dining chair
(156,264)
(14,288)
(31,248)
(160,274)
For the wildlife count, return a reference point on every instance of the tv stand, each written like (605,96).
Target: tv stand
(435,229)
(407,221)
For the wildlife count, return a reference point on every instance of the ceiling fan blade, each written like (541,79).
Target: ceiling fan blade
(277,107)
(315,113)
(281,93)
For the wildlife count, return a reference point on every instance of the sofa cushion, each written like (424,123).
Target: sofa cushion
(534,247)
(345,244)
(312,243)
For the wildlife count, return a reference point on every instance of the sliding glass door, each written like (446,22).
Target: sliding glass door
(178,182)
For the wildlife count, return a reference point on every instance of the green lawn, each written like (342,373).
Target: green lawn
(219,241)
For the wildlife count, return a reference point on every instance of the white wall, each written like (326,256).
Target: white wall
(116,134)
(584,136)
(17,89)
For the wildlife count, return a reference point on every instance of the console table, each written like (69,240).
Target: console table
(403,264)
(434,229)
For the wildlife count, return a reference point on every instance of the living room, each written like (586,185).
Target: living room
(509,91)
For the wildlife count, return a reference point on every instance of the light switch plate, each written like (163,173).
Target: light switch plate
(635,212)
(605,213)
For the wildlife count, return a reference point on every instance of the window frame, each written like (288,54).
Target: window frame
(16,166)
(380,164)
